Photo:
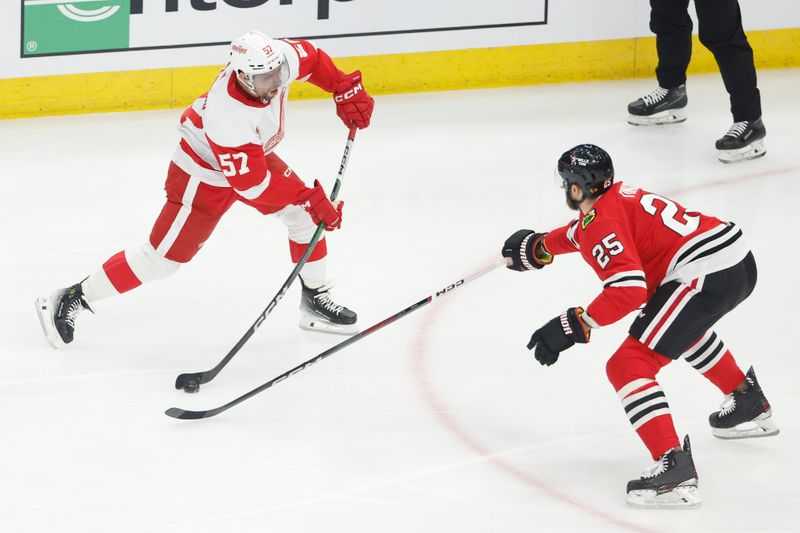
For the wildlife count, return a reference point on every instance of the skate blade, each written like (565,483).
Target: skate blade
(761,426)
(43,311)
(320,325)
(671,116)
(755,150)
(684,496)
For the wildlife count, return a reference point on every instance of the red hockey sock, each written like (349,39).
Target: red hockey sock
(648,413)
(710,357)
(297,250)
(120,274)
(726,374)
(632,371)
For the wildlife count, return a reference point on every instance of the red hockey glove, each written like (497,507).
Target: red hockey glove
(560,333)
(353,104)
(321,209)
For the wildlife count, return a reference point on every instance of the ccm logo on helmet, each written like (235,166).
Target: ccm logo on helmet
(349,94)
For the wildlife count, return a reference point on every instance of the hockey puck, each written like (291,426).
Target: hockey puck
(191,386)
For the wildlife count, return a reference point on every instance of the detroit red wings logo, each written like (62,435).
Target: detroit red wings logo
(273,141)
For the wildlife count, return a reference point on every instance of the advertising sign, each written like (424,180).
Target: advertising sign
(67,27)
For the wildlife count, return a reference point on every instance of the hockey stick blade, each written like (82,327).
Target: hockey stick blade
(199,378)
(182,414)
(185,414)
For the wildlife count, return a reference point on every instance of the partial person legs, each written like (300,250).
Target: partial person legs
(188,218)
(672,26)
(318,310)
(672,480)
(632,372)
(675,323)
(670,21)
(721,31)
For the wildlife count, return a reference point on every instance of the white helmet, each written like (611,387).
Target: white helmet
(254,53)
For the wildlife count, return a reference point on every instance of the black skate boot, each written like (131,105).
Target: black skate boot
(57,314)
(320,313)
(670,482)
(662,106)
(744,414)
(744,140)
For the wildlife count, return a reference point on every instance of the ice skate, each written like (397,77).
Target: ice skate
(744,141)
(744,415)
(662,106)
(320,313)
(57,314)
(671,482)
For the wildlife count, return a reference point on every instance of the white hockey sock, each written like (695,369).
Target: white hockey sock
(97,286)
(127,270)
(315,273)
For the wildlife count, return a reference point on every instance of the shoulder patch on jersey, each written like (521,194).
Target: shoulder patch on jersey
(588,218)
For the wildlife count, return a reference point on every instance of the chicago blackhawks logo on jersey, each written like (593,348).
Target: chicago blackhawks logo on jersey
(588,218)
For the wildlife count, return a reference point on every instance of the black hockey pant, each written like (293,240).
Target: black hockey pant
(678,314)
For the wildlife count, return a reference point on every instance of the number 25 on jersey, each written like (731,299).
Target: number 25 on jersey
(670,214)
(607,248)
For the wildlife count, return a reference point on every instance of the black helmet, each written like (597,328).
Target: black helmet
(589,167)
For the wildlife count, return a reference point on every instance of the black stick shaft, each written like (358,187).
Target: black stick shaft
(208,375)
(184,414)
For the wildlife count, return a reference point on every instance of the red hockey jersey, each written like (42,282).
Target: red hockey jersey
(636,240)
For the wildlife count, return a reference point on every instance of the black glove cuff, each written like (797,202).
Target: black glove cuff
(574,326)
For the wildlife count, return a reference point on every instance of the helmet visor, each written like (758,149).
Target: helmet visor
(271,81)
(560,181)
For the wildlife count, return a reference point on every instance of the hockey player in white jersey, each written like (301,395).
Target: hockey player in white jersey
(226,155)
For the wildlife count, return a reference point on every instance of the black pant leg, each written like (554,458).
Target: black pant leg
(676,316)
(720,25)
(670,21)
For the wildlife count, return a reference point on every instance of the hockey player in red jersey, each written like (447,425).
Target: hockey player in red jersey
(226,155)
(684,270)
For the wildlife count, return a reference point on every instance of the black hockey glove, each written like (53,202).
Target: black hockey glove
(526,250)
(559,334)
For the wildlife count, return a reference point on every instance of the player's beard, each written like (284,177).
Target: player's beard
(574,204)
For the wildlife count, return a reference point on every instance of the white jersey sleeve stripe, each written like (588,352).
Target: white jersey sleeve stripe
(630,278)
(571,234)
(254,192)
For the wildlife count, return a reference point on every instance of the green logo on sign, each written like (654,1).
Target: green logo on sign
(60,26)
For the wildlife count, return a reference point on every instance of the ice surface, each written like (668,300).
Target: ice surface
(442,421)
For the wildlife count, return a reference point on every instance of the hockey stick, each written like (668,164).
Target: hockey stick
(176,412)
(191,382)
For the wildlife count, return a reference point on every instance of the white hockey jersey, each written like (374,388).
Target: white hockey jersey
(226,132)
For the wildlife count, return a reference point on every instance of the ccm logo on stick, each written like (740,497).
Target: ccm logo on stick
(450,287)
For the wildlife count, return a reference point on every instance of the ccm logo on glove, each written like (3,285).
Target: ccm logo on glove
(348,95)
(353,104)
